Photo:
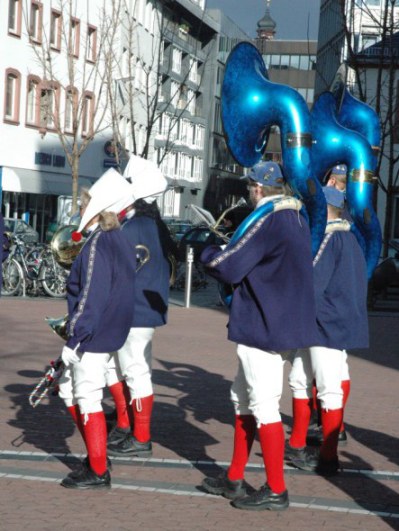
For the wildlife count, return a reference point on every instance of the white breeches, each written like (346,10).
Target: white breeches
(135,360)
(258,385)
(327,367)
(83,383)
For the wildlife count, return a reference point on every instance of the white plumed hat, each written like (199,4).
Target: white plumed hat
(111,192)
(147,179)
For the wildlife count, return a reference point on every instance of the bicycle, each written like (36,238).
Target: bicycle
(31,270)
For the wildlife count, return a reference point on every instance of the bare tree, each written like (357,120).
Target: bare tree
(73,92)
(139,102)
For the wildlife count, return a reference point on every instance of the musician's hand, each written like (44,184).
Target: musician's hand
(69,356)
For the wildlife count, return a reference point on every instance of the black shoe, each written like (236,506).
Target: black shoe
(223,486)
(315,438)
(85,465)
(118,434)
(263,500)
(306,460)
(87,479)
(290,452)
(313,462)
(130,447)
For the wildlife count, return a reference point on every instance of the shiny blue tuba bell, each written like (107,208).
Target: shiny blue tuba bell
(251,105)
(334,144)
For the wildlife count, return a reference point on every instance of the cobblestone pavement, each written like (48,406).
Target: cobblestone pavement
(194,365)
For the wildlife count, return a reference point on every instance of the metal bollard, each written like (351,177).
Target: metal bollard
(189,271)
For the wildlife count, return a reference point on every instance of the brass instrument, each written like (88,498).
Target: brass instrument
(173,269)
(64,248)
(143,256)
(52,375)
(206,217)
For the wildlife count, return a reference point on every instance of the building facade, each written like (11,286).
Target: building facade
(288,62)
(346,28)
(34,170)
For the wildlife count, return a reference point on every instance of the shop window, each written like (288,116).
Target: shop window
(12,96)
(14,17)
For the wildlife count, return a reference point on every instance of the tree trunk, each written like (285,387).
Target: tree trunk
(75,184)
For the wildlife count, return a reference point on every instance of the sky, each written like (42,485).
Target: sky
(295,19)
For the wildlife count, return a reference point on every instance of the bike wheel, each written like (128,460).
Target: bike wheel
(54,280)
(12,277)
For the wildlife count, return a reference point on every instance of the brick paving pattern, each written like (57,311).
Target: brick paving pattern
(194,365)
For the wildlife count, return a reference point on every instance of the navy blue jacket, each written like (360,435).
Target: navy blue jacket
(100,293)
(152,280)
(340,278)
(273,306)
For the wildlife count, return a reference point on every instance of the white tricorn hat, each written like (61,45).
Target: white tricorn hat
(111,192)
(147,179)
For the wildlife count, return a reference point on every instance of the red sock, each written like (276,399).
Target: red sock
(142,409)
(95,431)
(301,412)
(244,435)
(122,417)
(346,388)
(331,421)
(272,443)
(75,414)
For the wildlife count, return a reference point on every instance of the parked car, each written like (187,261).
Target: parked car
(198,238)
(20,228)
(177,227)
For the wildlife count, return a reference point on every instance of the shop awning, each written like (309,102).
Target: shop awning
(38,182)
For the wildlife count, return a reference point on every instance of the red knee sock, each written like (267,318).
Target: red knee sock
(142,410)
(95,430)
(75,414)
(301,412)
(244,435)
(346,388)
(331,421)
(118,394)
(272,443)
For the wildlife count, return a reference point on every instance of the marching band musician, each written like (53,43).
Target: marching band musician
(142,226)
(272,312)
(337,179)
(340,280)
(100,291)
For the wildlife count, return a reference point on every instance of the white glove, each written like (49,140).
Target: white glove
(69,356)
